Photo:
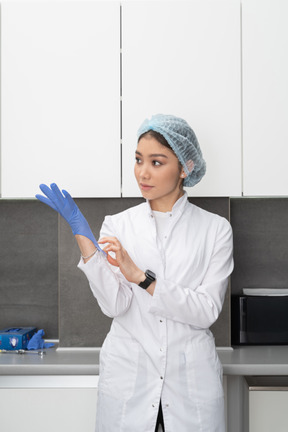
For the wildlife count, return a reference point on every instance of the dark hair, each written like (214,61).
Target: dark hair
(160,138)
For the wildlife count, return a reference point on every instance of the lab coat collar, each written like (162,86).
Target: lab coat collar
(179,205)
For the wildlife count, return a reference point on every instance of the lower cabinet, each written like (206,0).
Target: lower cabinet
(68,403)
(268,402)
(48,403)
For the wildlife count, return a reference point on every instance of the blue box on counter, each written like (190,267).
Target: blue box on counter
(15,338)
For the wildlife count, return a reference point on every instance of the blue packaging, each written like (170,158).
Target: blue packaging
(15,338)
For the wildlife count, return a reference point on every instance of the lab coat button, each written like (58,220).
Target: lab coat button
(161,377)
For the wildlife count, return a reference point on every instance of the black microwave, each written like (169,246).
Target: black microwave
(259,320)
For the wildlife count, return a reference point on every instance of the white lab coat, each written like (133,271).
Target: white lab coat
(160,346)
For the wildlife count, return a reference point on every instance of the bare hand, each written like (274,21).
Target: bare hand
(128,268)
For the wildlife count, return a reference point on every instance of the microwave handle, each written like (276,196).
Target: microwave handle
(243,320)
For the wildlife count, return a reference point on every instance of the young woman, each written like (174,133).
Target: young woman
(164,287)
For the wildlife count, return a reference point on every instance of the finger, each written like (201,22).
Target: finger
(49,193)
(46,201)
(70,200)
(111,248)
(46,190)
(111,240)
(112,260)
(67,195)
(112,245)
(57,193)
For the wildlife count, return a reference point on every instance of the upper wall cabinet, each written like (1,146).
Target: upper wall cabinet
(183,58)
(60,73)
(265,97)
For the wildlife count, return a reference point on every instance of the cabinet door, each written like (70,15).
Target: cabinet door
(183,58)
(48,403)
(265,97)
(268,411)
(60,73)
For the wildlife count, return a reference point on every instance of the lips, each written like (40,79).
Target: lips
(145,187)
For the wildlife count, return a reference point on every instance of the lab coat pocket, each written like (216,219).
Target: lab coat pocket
(118,367)
(203,371)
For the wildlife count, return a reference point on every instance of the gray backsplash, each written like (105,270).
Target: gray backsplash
(28,266)
(39,257)
(260,227)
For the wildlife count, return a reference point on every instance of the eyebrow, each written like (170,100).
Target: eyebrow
(153,155)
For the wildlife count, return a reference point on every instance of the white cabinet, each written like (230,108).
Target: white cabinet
(60,97)
(268,401)
(183,58)
(265,97)
(48,403)
(268,411)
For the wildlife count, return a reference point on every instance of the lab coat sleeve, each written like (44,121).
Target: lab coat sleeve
(112,291)
(200,306)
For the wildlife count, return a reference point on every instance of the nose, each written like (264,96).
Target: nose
(143,171)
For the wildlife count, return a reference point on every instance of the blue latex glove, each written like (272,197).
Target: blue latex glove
(66,207)
(36,342)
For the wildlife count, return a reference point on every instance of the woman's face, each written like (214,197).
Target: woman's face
(157,173)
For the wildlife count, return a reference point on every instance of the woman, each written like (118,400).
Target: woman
(164,288)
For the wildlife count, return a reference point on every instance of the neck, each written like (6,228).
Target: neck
(165,204)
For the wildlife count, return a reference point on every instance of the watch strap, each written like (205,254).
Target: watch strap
(150,277)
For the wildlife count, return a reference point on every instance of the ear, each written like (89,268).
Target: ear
(183,174)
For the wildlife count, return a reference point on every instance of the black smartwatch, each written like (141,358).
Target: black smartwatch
(150,277)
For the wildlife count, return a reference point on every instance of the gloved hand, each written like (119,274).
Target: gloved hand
(66,207)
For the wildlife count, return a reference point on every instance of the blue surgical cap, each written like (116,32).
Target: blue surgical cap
(183,142)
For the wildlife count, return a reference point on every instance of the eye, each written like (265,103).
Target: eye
(137,160)
(156,163)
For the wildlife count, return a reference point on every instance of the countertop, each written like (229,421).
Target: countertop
(56,361)
(252,360)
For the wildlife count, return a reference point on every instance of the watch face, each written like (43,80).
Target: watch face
(150,275)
